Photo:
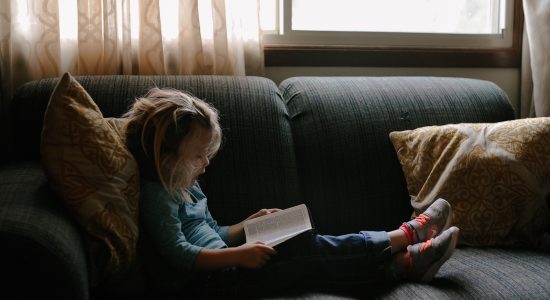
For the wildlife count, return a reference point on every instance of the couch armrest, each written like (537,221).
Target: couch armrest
(41,252)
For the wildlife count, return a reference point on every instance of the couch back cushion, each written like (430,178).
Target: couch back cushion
(349,172)
(256,166)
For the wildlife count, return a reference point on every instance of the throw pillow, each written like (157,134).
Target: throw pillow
(495,176)
(88,165)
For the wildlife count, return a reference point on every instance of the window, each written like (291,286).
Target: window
(462,33)
(443,16)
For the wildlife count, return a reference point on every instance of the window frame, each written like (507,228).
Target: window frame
(400,56)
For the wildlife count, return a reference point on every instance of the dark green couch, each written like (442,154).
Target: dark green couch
(318,140)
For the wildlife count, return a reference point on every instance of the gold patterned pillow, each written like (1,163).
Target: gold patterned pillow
(89,167)
(495,175)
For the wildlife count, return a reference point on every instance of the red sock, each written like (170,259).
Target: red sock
(408,233)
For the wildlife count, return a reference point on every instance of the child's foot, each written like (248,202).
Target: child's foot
(426,258)
(434,220)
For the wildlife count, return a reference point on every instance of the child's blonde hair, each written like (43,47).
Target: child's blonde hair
(157,123)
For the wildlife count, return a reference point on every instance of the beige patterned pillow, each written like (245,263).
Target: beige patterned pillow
(496,177)
(88,165)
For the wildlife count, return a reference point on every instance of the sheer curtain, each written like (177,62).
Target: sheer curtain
(44,38)
(535,75)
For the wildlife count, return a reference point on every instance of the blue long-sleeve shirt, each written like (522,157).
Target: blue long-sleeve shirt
(179,229)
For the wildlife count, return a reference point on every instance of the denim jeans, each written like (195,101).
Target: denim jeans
(309,260)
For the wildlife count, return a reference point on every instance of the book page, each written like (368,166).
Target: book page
(275,228)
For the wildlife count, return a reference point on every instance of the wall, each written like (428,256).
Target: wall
(507,79)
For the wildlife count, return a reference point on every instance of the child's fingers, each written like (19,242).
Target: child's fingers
(263,212)
(266,211)
(266,248)
(269,250)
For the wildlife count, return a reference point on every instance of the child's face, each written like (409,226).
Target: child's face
(194,149)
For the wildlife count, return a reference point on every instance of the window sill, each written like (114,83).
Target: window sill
(391,57)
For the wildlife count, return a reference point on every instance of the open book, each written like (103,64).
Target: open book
(277,227)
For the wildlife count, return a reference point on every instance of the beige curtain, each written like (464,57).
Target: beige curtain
(535,75)
(45,38)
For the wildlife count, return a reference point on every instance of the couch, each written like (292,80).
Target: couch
(322,141)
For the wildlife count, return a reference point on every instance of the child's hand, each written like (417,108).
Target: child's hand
(263,212)
(254,256)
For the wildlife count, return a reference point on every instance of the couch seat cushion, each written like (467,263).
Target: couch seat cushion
(483,273)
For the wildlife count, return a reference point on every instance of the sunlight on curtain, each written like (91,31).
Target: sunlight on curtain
(68,34)
(44,38)
(169,20)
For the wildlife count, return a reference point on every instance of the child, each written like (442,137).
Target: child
(172,136)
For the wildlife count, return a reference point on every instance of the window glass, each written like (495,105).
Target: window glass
(441,16)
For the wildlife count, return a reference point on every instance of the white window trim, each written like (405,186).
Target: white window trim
(288,37)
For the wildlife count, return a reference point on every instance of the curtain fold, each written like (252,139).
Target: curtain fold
(45,38)
(535,71)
